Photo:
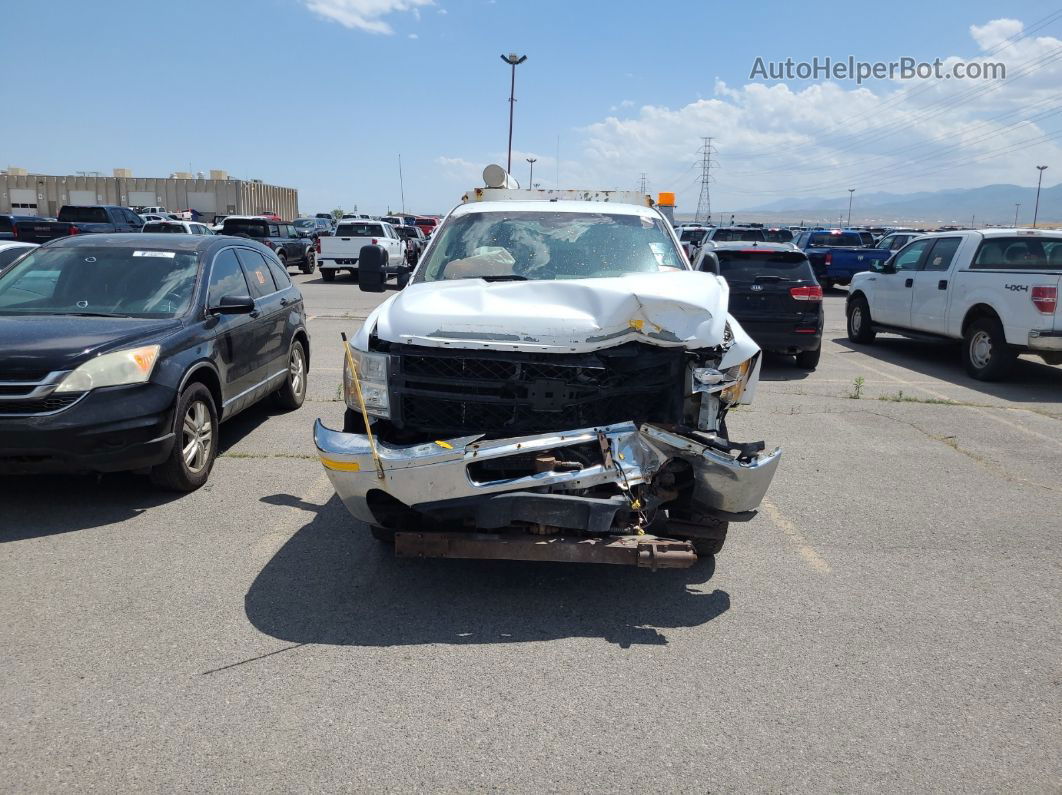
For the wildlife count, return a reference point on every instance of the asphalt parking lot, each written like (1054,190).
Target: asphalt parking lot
(890,620)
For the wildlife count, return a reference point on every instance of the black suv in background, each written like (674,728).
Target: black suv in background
(415,239)
(285,241)
(124,352)
(774,296)
(312,227)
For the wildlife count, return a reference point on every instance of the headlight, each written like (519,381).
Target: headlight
(373,370)
(741,372)
(133,366)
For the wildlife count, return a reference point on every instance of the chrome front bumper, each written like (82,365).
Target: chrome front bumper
(436,472)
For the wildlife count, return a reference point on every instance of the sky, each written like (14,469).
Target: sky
(324,95)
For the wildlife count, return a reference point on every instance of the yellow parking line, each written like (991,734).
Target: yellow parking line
(810,556)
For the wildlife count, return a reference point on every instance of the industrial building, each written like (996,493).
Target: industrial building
(22,193)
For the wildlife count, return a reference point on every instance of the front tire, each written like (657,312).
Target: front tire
(704,546)
(860,326)
(985,352)
(293,393)
(196,444)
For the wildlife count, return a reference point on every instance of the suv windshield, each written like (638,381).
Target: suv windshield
(163,226)
(549,245)
(84,215)
(730,235)
(305,223)
(245,226)
(836,239)
(82,280)
(745,266)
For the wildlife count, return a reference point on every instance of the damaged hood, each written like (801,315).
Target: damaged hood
(681,308)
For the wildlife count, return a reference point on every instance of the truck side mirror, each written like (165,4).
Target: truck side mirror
(371,274)
(889,265)
(404,272)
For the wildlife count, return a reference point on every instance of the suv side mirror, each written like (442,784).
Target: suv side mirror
(371,274)
(709,262)
(234,305)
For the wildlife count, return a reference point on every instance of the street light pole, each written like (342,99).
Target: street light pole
(851,192)
(513,60)
(531,179)
(1017,206)
(1039,181)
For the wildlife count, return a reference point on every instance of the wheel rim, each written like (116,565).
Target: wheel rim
(197,436)
(857,319)
(297,372)
(981,349)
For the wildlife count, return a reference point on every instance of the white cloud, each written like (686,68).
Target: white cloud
(442,11)
(775,141)
(414,36)
(366,15)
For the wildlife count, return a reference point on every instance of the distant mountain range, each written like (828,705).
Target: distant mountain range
(991,204)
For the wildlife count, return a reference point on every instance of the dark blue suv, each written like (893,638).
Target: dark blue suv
(125,351)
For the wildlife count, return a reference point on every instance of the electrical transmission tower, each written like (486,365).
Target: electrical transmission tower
(704,203)
(641,185)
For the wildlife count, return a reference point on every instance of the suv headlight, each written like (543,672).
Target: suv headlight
(133,366)
(373,370)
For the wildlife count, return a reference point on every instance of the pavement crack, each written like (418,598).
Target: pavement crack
(253,659)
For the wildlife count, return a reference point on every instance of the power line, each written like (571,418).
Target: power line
(704,202)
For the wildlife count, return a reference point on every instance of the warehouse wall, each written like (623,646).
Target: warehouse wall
(227,196)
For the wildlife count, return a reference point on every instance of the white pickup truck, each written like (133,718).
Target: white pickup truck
(340,251)
(994,289)
(552,384)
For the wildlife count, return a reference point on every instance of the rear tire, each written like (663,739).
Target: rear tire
(809,360)
(309,265)
(827,284)
(292,394)
(328,275)
(985,352)
(196,444)
(860,325)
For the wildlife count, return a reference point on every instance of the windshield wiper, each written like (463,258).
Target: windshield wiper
(89,314)
(510,277)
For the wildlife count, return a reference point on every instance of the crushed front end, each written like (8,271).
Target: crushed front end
(617,455)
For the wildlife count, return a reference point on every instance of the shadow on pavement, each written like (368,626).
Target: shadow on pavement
(1030,381)
(776,367)
(332,583)
(41,505)
(32,506)
(247,422)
